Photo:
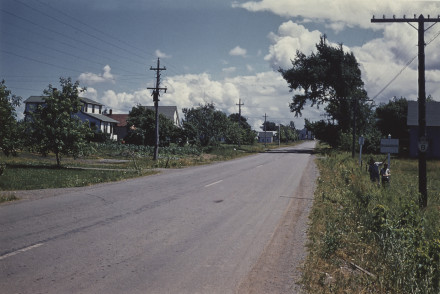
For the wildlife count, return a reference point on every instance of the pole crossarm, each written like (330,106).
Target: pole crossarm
(404,19)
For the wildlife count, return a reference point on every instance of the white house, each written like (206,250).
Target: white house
(266,137)
(91,111)
(168,111)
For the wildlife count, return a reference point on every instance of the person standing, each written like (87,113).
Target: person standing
(385,175)
(373,169)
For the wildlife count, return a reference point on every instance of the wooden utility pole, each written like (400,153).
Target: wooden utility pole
(265,117)
(423,200)
(239,121)
(156,95)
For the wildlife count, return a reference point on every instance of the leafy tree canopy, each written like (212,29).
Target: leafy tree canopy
(329,77)
(391,120)
(204,125)
(9,137)
(54,125)
(142,125)
(269,126)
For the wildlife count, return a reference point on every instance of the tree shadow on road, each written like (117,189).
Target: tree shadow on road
(295,151)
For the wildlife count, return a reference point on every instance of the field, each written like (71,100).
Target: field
(369,239)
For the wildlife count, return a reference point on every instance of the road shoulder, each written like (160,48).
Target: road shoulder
(279,267)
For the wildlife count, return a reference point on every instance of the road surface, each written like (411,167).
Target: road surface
(193,230)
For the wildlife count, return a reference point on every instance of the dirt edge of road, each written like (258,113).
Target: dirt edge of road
(279,267)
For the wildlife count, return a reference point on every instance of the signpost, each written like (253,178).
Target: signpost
(361,143)
(389,146)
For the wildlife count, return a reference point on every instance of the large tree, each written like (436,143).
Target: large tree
(142,122)
(240,125)
(329,77)
(54,126)
(391,119)
(205,125)
(10,138)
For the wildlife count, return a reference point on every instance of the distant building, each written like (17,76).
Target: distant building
(305,134)
(432,128)
(266,137)
(121,129)
(168,111)
(91,111)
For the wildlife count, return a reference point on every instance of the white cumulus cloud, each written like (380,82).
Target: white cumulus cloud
(338,14)
(89,78)
(161,54)
(238,51)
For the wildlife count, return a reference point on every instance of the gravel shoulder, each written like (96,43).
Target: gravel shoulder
(279,267)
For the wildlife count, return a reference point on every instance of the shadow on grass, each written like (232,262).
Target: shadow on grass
(34,166)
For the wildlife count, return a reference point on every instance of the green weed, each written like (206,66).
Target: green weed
(381,230)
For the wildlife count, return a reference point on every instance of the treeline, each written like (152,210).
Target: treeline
(330,78)
(54,127)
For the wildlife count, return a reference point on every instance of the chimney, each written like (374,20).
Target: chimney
(110,111)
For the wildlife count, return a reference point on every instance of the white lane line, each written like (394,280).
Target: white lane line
(213,183)
(20,251)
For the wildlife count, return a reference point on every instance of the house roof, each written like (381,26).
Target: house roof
(432,114)
(121,118)
(168,111)
(101,117)
(268,134)
(40,99)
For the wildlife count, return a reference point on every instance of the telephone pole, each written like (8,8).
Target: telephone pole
(265,117)
(156,95)
(239,121)
(423,200)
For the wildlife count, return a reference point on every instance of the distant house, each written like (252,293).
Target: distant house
(121,129)
(305,134)
(168,111)
(432,128)
(266,137)
(91,111)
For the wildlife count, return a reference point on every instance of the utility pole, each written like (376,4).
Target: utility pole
(156,95)
(354,128)
(423,200)
(239,121)
(265,117)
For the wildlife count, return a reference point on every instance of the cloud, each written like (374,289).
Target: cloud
(339,14)
(290,38)
(89,78)
(229,70)
(160,54)
(261,93)
(238,51)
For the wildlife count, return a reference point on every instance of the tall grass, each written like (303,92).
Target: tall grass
(369,239)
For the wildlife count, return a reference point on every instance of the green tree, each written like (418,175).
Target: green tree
(288,133)
(54,125)
(247,134)
(391,119)
(270,126)
(10,139)
(205,125)
(329,77)
(142,123)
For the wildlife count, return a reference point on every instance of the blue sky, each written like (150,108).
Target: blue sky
(214,50)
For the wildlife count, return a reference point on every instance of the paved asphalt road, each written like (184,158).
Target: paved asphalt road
(192,230)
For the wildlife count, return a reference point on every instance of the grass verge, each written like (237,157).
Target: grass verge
(369,239)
